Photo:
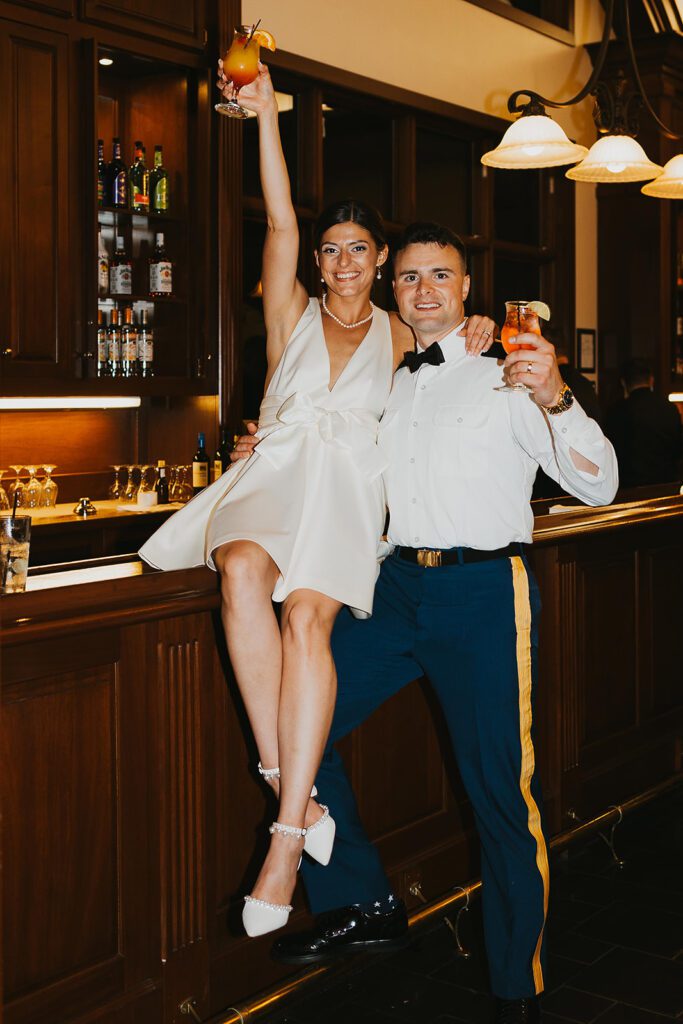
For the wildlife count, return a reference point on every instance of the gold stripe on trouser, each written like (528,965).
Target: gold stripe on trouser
(520,583)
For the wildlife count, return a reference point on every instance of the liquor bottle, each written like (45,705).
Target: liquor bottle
(118,178)
(200,465)
(129,345)
(158,186)
(102,267)
(102,171)
(102,346)
(139,181)
(160,269)
(221,460)
(145,347)
(161,486)
(114,345)
(120,271)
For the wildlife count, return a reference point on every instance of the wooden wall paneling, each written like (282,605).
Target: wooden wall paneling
(67,8)
(61,828)
(404,185)
(183,656)
(34,181)
(661,601)
(174,21)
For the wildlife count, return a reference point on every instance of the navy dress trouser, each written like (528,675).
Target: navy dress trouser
(472,630)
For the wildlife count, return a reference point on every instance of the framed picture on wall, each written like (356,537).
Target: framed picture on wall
(586,357)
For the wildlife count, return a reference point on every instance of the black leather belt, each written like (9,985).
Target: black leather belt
(430,558)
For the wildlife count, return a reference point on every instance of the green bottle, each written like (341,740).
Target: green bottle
(138,178)
(159,183)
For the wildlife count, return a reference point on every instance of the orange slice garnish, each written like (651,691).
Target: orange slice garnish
(264,39)
(540,309)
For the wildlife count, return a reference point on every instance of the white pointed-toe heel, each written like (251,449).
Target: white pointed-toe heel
(318,837)
(259,916)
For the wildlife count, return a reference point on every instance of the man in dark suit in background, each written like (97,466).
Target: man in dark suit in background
(645,430)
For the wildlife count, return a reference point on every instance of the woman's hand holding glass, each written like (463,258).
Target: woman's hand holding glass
(258,96)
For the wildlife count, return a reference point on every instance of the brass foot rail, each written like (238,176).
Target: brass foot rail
(460,898)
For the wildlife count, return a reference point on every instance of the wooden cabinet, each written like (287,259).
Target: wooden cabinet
(174,21)
(67,8)
(36,213)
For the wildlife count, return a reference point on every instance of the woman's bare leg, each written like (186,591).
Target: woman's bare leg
(248,577)
(307,696)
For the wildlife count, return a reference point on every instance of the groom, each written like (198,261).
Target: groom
(462,460)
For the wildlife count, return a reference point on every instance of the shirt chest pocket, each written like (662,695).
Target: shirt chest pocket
(460,446)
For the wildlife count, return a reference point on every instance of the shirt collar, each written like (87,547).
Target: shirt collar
(451,345)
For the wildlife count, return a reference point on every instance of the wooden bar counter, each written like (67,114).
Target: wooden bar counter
(133,821)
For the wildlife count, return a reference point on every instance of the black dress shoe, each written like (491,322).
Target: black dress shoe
(338,933)
(518,1011)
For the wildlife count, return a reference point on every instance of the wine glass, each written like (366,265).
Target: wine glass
(131,488)
(33,489)
(4,500)
(240,64)
(145,486)
(173,483)
(520,318)
(116,489)
(16,487)
(48,488)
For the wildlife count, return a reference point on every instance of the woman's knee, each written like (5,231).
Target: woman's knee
(244,568)
(306,617)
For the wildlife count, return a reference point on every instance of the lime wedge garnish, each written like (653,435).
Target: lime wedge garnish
(540,309)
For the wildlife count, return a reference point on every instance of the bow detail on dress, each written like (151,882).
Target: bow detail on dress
(285,424)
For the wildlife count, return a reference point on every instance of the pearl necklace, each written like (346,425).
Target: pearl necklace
(347,327)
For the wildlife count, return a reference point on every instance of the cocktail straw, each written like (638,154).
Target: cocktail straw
(251,34)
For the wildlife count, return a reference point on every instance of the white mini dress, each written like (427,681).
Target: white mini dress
(312,493)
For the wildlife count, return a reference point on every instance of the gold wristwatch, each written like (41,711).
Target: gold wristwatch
(565,400)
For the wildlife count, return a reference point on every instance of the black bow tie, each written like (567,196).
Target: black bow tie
(432,355)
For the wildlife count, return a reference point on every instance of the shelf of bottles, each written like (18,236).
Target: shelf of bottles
(144,272)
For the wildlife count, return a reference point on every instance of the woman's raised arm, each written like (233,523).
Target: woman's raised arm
(284,297)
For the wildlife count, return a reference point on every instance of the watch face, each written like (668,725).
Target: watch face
(568,399)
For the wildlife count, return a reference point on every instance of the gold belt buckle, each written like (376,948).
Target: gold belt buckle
(428,558)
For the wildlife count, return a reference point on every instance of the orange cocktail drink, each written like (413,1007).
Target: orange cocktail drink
(519,319)
(240,64)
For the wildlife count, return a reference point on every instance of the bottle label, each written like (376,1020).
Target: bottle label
(161,277)
(200,474)
(120,189)
(114,350)
(100,192)
(103,273)
(216,470)
(121,279)
(140,201)
(146,347)
(679,326)
(130,347)
(161,195)
(102,349)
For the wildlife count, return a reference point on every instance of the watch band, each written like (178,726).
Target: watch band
(565,400)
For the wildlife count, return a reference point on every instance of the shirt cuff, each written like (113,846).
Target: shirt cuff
(573,424)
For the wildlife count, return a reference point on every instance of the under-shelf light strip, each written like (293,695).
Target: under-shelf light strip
(676,396)
(72,402)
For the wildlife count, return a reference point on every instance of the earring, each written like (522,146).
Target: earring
(379,272)
(322,280)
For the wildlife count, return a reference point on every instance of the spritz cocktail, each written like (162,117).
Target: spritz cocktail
(521,317)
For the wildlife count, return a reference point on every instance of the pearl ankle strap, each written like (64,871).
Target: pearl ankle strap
(288,830)
(268,773)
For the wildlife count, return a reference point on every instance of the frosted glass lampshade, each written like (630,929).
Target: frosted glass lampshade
(669,184)
(534,140)
(615,158)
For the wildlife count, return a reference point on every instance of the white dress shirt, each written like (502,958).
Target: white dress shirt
(463,457)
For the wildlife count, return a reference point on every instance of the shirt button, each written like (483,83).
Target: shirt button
(414,423)
(459,419)
(416,538)
(414,500)
(412,460)
(422,387)
(564,430)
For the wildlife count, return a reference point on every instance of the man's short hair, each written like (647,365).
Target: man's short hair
(425,232)
(636,372)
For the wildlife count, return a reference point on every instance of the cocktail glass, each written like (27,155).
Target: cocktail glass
(519,319)
(4,500)
(16,486)
(131,487)
(33,489)
(15,537)
(240,65)
(115,489)
(48,488)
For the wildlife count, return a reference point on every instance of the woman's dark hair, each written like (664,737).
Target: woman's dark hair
(427,232)
(346,210)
